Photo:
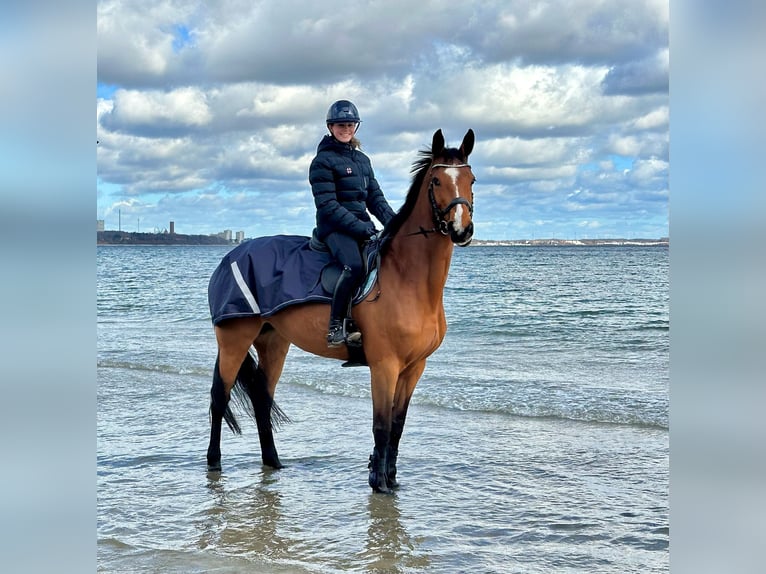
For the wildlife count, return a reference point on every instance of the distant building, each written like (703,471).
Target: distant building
(99,225)
(226,235)
(172,227)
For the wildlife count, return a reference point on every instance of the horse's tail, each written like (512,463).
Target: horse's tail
(250,395)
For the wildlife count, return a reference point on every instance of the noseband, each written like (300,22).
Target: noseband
(440,223)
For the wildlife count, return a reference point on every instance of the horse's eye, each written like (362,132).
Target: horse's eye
(436,182)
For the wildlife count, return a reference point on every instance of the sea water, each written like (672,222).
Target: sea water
(537,439)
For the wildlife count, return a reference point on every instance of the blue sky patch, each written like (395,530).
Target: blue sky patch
(106,91)
(182,37)
(621,162)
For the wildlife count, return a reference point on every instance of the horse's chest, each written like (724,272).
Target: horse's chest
(430,336)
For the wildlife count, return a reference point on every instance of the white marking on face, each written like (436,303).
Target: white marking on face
(452,173)
(457,221)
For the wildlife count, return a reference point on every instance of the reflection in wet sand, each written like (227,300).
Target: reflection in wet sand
(245,521)
(389,547)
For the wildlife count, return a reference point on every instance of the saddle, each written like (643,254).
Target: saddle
(330,273)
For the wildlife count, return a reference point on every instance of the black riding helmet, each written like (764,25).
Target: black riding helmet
(342,112)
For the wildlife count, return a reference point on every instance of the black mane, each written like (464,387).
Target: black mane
(419,170)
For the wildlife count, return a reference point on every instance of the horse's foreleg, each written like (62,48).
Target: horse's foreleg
(397,426)
(377,465)
(404,389)
(383,385)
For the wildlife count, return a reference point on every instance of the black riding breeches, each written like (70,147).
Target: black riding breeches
(347,251)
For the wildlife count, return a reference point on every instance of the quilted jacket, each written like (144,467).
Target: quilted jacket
(344,188)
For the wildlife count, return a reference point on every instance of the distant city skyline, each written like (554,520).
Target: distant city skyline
(170,228)
(240,235)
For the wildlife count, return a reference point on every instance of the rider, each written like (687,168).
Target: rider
(344,188)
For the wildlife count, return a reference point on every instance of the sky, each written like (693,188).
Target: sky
(209,113)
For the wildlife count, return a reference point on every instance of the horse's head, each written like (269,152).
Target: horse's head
(450,188)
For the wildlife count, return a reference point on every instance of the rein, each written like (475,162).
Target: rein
(440,224)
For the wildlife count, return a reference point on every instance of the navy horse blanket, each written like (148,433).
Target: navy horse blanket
(261,276)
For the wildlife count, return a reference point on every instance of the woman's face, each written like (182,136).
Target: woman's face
(343,132)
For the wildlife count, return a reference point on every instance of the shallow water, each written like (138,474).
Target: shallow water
(537,440)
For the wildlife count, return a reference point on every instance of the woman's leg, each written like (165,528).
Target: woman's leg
(345,250)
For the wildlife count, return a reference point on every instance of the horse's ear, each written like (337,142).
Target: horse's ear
(467,146)
(437,145)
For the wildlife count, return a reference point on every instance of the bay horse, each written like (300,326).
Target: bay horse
(402,320)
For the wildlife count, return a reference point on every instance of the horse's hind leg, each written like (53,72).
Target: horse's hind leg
(220,393)
(272,350)
(234,340)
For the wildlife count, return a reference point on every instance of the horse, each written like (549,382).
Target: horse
(402,321)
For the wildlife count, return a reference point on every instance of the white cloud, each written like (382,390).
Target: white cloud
(219,106)
(648,170)
(589,224)
(627,145)
(655,119)
(183,107)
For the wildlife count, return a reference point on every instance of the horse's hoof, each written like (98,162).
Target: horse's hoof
(271,458)
(382,489)
(392,482)
(378,484)
(377,478)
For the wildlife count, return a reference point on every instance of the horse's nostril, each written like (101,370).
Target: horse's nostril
(464,238)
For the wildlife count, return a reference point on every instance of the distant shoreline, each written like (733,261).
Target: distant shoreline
(131,238)
(569,242)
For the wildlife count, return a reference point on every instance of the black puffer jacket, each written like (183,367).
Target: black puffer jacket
(344,188)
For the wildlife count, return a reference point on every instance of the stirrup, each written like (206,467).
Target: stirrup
(354,338)
(353,335)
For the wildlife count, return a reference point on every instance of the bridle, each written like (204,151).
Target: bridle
(440,223)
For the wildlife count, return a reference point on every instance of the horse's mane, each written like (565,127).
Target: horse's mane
(419,170)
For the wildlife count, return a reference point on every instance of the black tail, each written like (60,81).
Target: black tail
(251,396)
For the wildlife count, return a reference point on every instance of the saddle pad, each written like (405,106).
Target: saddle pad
(264,275)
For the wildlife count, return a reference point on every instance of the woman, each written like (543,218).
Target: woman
(344,188)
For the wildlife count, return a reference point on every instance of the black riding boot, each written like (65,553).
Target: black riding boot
(340,308)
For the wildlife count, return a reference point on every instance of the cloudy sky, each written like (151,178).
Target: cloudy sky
(209,112)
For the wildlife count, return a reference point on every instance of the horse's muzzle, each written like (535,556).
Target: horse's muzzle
(463,237)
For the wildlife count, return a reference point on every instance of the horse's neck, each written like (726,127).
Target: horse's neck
(421,260)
